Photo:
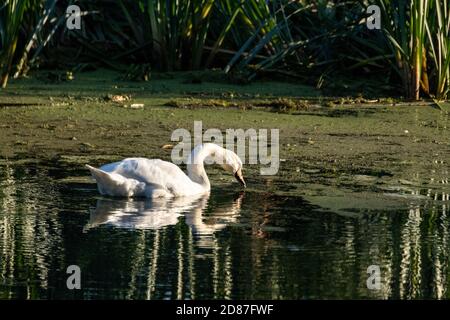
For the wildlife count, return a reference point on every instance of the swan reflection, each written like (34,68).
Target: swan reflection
(154,214)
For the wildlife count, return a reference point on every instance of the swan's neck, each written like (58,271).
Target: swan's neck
(195,163)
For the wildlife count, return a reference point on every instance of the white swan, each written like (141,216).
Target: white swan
(155,178)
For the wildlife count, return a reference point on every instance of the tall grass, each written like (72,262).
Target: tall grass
(404,25)
(175,30)
(418,31)
(296,37)
(189,34)
(438,31)
(11,17)
(21,24)
(307,39)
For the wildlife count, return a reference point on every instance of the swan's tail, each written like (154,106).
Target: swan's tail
(113,184)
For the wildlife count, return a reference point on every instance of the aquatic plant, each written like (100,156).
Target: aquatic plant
(189,34)
(11,18)
(438,31)
(313,41)
(21,25)
(418,32)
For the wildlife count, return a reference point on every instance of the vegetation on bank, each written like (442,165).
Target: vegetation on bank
(312,42)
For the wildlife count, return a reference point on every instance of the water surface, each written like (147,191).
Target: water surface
(229,245)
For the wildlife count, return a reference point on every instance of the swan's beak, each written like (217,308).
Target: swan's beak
(240,178)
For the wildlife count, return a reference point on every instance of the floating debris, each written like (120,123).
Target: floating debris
(134,106)
(167,147)
(118,98)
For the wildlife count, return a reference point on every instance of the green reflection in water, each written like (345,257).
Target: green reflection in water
(227,245)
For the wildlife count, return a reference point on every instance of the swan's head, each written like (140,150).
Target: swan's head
(232,163)
(213,153)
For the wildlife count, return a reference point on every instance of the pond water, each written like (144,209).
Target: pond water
(228,245)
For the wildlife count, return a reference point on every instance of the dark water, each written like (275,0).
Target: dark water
(230,245)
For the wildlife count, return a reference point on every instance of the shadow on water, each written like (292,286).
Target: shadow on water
(225,245)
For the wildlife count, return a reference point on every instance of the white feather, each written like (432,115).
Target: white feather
(155,178)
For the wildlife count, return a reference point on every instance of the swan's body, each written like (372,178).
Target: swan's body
(155,178)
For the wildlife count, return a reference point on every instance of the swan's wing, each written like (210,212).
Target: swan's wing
(153,172)
(113,184)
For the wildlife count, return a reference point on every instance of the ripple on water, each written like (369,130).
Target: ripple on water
(254,244)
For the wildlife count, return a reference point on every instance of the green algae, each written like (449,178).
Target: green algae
(354,144)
